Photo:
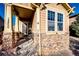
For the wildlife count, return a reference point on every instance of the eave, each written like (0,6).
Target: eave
(67,7)
(28,6)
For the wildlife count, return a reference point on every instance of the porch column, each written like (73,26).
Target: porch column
(7,35)
(17,24)
(16,30)
(8,18)
(38,28)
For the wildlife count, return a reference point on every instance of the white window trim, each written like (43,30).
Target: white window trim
(56,30)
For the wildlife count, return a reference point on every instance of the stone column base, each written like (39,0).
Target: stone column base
(7,41)
(16,38)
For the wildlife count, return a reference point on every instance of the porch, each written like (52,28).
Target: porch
(24,29)
(23,24)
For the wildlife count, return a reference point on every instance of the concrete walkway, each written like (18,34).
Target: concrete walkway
(74,45)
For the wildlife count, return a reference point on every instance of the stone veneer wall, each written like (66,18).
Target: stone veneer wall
(36,43)
(55,44)
(7,41)
(52,45)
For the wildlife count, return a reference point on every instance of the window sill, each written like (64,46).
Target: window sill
(54,32)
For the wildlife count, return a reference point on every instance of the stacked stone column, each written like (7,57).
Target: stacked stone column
(7,35)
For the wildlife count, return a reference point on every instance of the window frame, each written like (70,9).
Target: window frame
(51,21)
(56,29)
(59,22)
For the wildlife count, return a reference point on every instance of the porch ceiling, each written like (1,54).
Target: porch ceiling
(24,12)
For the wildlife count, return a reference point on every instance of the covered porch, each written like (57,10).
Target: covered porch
(26,24)
(23,27)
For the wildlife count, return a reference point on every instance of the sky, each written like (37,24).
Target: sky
(2,10)
(76,9)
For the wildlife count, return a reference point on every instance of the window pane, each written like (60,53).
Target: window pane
(51,26)
(51,15)
(60,17)
(60,26)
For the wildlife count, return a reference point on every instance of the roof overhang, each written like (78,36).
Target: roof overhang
(67,7)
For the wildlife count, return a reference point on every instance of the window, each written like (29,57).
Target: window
(55,21)
(59,21)
(51,20)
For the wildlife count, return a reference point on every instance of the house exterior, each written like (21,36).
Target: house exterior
(45,28)
(72,19)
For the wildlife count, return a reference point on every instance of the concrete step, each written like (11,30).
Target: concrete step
(26,48)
